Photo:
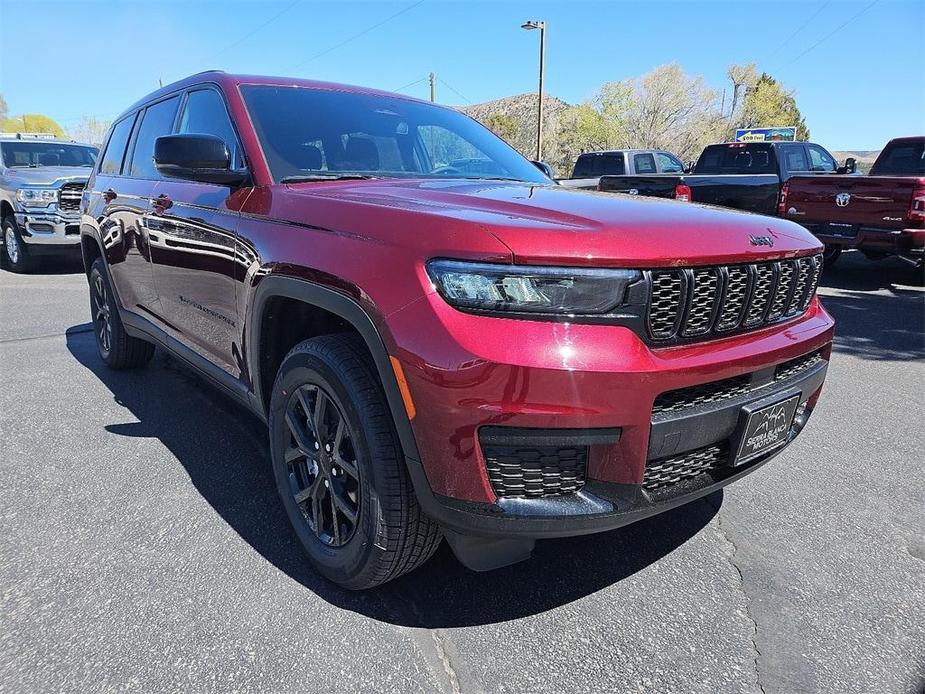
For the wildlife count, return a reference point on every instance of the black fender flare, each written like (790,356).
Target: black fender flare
(350,311)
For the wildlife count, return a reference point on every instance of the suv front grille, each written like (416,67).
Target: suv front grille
(665,471)
(717,391)
(535,471)
(69,196)
(709,302)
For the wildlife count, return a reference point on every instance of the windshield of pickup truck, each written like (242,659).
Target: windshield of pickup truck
(318,134)
(736,158)
(24,153)
(905,158)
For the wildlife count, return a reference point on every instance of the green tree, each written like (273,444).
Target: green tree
(504,125)
(769,105)
(32,123)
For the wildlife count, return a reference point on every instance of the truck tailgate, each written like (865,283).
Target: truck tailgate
(849,201)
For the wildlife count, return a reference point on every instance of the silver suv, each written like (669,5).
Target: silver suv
(41,183)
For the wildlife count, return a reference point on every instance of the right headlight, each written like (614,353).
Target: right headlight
(37,197)
(530,289)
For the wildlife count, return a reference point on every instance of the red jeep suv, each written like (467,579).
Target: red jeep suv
(441,340)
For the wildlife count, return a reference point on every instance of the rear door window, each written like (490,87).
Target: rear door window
(157,120)
(794,158)
(115,150)
(644,163)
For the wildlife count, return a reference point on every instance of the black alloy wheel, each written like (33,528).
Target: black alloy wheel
(324,476)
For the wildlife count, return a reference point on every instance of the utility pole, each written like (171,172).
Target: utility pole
(532,24)
(433,87)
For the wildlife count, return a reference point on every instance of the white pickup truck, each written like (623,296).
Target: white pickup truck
(41,183)
(590,166)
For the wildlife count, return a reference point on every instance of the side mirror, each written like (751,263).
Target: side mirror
(545,168)
(851,165)
(203,158)
(690,167)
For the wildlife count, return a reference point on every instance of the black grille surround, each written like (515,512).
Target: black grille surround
(69,196)
(705,394)
(699,303)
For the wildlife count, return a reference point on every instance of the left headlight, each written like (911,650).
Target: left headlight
(530,289)
(37,197)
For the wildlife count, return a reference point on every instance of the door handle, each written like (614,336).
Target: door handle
(109,195)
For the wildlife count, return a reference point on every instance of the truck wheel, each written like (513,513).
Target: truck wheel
(339,467)
(15,252)
(830,255)
(117,348)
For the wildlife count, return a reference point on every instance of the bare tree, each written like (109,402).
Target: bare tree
(90,130)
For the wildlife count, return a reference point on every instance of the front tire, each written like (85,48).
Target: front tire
(116,348)
(339,467)
(15,252)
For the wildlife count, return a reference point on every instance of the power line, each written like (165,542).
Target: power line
(440,79)
(254,31)
(411,84)
(356,36)
(801,28)
(831,33)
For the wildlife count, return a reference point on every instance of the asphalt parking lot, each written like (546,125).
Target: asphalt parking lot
(142,547)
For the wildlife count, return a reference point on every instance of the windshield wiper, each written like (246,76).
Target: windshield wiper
(304,178)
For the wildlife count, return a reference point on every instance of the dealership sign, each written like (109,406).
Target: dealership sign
(766,134)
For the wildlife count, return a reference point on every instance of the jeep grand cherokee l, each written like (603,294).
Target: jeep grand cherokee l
(485,357)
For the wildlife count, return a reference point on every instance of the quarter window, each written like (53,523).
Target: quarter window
(157,120)
(115,150)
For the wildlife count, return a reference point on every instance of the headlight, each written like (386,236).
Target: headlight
(528,289)
(37,197)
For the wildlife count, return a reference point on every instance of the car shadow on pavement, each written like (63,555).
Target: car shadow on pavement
(53,266)
(879,308)
(223,449)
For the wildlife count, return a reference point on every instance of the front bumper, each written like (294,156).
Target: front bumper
(468,374)
(49,229)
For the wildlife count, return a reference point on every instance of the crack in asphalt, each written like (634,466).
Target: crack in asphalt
(730,553)
(70,331)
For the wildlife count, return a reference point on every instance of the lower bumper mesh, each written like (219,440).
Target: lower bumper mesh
(669,470)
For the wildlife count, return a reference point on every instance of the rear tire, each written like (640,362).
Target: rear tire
(339,467)
(830,255)
(15,252)
(116,348)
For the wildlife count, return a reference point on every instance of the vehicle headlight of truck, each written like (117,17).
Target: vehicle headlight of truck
(37,197)
(530,289)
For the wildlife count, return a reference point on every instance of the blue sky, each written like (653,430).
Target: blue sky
(857,88)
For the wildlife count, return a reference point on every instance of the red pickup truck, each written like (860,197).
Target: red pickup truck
(881,214)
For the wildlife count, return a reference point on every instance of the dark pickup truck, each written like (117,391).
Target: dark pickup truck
(881,214)
(740,175)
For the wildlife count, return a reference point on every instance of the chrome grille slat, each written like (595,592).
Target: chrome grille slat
(707,301)
(69,196)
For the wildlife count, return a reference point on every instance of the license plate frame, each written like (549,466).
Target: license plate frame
(839,230)
(765,427)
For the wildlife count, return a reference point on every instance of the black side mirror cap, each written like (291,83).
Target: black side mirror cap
(545,168)
(203,158)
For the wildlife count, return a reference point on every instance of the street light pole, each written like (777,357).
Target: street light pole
(532,24)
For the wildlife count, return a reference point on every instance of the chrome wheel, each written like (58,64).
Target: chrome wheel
(322,465)
(102,319)
(12,244)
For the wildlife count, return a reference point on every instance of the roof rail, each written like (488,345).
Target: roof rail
(30,136)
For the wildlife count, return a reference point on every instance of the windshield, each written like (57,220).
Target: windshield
(34,154)
(736,158)
(319,134)
(901,159)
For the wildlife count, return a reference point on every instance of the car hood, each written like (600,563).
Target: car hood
(552,224)
(46,175)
